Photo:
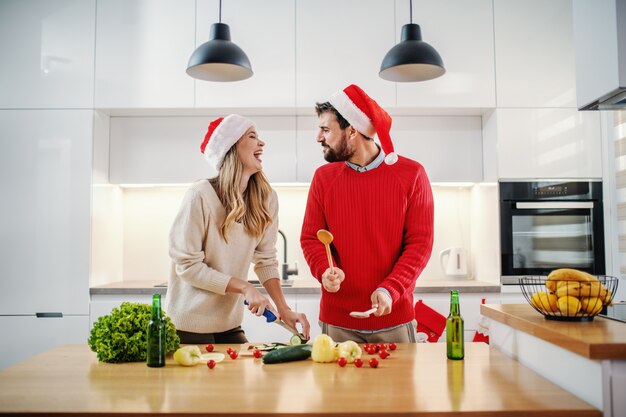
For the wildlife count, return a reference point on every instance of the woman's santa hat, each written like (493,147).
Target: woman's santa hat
(362,112)
(222,134)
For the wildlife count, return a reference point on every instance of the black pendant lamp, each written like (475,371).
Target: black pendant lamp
(412,59)
(219,59)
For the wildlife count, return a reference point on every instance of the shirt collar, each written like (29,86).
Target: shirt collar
(374,164)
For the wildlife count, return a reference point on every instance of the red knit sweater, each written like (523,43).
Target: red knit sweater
(382,223)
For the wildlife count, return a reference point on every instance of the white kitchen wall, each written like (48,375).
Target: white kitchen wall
(131,226)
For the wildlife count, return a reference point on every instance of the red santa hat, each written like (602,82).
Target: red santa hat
(222,134)
(367,117)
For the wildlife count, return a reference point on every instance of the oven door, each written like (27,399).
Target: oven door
(538,237)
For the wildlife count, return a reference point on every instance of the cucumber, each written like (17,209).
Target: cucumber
(296,340)
(288,354)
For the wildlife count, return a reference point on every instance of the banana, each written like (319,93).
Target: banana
(567,274)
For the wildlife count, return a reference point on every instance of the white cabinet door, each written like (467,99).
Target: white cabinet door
(309,152)
(45,176)
(535,53)
(449,148)
(462,33)
(161,150)
(47,52)
(339,43)
(548,143)
(309,304)
(142,49)
(26,336)
(265,30)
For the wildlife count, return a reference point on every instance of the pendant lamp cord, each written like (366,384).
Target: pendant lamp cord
(220,14)
(410,10)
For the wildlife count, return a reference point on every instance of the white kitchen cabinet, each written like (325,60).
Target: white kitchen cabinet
(45,176)
(47,53)
(534,53)
(449,147)
(462,33)
(146,150)
(266,33)
(26,336)
(548,143)
(142,50)
(339,43)
(309,304)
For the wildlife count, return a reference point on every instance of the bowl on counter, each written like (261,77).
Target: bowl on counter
(569,300)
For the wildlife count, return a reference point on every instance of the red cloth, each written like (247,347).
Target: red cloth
(429,321)
(382,223)
(482,330)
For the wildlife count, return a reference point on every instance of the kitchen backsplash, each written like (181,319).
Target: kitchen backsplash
(130,228)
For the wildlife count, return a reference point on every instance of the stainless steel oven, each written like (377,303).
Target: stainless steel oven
(545,225)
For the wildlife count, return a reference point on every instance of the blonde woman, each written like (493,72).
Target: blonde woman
(225,223)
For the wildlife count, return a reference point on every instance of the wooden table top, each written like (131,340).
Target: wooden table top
(597,339)
(416,380)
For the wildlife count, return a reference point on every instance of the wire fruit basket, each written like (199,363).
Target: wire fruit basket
(569,300)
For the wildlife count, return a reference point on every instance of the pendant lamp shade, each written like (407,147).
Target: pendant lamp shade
(412,59)
(219,59)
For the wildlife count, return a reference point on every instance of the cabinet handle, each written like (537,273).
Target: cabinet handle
(48,315)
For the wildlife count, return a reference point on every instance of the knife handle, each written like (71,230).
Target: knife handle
(269,316)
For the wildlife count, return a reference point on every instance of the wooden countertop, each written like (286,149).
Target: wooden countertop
(416,380)
(598,339)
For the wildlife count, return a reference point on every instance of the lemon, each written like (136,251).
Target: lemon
(591,305)
(544,302)
(568,305)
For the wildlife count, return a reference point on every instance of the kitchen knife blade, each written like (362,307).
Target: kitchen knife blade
(271,318)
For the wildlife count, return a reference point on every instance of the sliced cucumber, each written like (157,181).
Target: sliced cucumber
(296,340)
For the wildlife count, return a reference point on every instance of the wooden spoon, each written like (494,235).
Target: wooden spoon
(326,238)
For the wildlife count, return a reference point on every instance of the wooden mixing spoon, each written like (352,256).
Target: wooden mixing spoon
(326,238)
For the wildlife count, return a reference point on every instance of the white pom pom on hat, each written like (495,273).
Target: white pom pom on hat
(364,113)
(221,135)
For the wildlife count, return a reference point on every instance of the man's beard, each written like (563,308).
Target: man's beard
(343,153)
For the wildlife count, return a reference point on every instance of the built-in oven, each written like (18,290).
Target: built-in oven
(545,225)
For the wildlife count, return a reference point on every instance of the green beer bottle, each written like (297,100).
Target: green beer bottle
(454,329)
(156,335)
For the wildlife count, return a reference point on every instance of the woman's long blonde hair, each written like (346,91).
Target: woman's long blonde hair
(250,207)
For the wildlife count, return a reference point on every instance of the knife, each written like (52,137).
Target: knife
(271,318)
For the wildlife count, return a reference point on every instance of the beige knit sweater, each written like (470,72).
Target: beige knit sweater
(203,263)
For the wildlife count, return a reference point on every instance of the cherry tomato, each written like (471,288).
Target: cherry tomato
(382,346)
(257,353)
(366,346)
(233,355)
(229,350)
(209,348)
(211,364)
(392,346)
(383,354)
(358,363)
(376,348)
(342,361)
(372,350)
(373,363)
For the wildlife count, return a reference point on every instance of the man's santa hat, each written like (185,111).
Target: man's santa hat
(366,116)
(222,134)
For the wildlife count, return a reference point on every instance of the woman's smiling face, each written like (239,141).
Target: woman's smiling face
(250,150)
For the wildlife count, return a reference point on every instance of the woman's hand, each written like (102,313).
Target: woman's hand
(257,302)
(291,318)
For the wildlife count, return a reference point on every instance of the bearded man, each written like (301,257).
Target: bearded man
(381,218)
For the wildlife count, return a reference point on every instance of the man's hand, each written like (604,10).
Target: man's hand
(332,282)
(383,301)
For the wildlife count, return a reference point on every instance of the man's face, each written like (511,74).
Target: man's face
(333,139)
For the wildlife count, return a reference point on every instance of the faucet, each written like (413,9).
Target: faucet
(286,270)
